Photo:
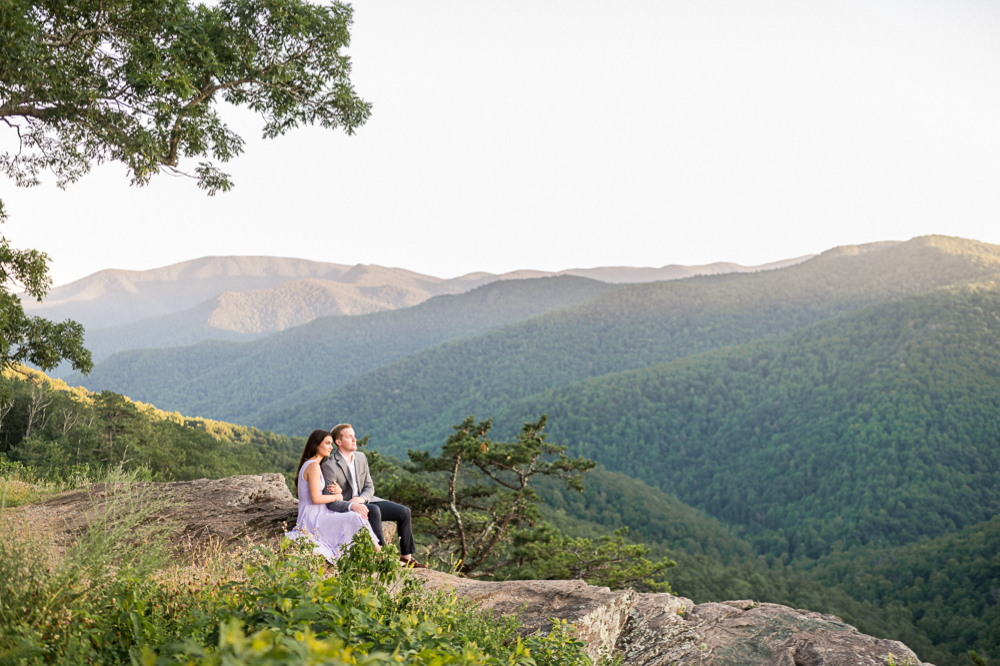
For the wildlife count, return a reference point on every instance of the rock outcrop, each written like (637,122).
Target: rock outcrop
(645,629)
(663,629)
(235,511)
(745,632)
(250,509)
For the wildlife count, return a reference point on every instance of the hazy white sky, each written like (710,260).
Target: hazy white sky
(550,135)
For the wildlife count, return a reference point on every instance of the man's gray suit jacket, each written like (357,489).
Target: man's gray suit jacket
(335,470)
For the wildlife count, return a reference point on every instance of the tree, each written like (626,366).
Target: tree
(137,82)
(976,659)
(40,401)
(475,502)
(477,490)
(119,416)
(33,340)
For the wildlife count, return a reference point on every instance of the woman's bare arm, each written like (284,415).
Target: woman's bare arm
(316,482)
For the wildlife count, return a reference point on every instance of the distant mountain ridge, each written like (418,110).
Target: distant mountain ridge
(631,275)
(247,315)
(632,327)
(114,297)
(241,298)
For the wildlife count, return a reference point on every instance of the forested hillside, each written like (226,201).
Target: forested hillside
(61,431)
(943,591)
(236,381)
(413,402)
(949,586)
(879,427)
(938,596)
(613,500)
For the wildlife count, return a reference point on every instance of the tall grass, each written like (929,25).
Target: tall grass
(20,485)
(57,584)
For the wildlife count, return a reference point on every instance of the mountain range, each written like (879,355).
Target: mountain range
(631,327)
(242,298)
(237,381)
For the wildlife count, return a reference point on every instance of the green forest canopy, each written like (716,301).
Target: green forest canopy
(878,427)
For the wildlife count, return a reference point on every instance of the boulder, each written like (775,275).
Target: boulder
(656,625)
(746,633)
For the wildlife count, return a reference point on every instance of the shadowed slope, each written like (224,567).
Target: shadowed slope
(234,381)
(252,314)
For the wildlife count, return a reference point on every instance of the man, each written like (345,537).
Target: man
(348,468)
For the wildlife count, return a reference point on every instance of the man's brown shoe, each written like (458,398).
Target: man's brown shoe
(411,563)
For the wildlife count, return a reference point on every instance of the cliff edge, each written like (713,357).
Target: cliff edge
(645,629)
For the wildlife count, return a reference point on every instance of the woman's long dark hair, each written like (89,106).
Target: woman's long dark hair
(312,448)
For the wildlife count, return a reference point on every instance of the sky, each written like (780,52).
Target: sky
(571,134)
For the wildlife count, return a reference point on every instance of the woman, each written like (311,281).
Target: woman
(328,530)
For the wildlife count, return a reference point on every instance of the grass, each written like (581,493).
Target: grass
(19,486)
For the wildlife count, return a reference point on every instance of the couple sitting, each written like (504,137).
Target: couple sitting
(341,481)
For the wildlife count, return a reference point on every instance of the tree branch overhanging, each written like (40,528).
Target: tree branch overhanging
(114,84)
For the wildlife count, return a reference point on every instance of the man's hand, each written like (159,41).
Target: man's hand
(359,508)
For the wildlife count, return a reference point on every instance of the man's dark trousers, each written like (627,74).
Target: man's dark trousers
(396,513)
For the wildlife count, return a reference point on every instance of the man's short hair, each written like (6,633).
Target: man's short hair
(339,428)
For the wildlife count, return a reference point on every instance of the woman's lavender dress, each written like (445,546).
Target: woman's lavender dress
(328,530)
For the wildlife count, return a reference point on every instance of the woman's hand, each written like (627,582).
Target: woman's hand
(335,489)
